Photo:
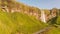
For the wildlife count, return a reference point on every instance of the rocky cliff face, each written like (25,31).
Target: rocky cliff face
(13,6)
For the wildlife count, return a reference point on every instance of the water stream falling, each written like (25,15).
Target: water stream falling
(43,19)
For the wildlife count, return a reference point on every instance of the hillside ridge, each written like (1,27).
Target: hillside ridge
(14,6)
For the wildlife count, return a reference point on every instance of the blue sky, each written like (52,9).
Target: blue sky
(43,4)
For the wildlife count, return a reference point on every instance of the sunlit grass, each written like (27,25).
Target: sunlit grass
(11,23)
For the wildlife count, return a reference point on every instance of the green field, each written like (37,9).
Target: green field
(12,23)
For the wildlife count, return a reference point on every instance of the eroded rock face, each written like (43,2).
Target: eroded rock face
(49,14)
(46,16)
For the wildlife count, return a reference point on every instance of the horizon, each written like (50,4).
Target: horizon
(42,4)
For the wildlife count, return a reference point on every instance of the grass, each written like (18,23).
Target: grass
(58,20)
(53,30)
(11,23)
(56,26)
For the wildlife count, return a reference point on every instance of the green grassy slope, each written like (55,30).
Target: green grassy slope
(11,23)
(54,30)
(58,20)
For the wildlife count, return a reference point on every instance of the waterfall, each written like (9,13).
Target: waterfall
(43,19)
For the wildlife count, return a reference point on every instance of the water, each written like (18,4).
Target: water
(43,19)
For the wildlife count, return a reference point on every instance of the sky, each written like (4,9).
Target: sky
(43,4)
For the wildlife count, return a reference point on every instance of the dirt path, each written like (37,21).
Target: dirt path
(42,30)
